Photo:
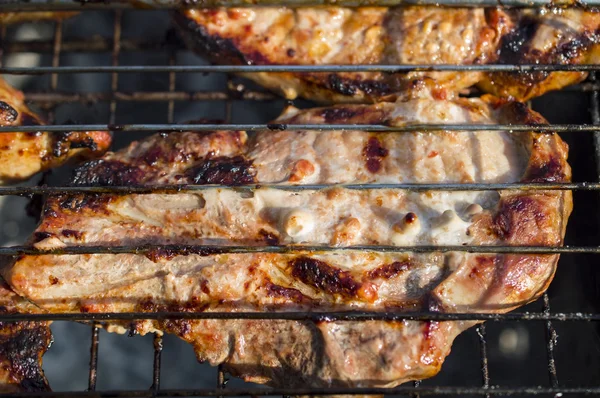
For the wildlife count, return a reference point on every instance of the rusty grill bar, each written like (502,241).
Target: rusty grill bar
(115,46)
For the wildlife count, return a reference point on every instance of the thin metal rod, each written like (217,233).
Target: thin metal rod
(300,68)
(261,391)
(158,348)
(321,316)
(416,384)
(114,83)
(551,340)
(56,48)
(54,5)
(595,112)
(60,97)
(208,250)
(485,373)
(94,359)
(565,128)
(176,189)
(3,46)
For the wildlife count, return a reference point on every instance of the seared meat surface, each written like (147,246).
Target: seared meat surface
(408,35)
(22,345)
(22,155)
(289,353)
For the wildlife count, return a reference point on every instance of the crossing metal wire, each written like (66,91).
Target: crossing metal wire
(115,46)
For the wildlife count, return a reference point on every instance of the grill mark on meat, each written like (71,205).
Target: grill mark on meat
(168,253)
(291,294)
(512,214)
(324,277)
(107,173)
(8,114)
(269,237)
(69,233)
(389,271)
(81,202)
(514,46)
(550,170)
(350,87)
(223,170)
(374,153)
(342,113)
(21,345)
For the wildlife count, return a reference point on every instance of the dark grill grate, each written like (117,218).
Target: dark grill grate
(49,100)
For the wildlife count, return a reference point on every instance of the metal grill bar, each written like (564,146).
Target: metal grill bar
(175,189)
(551,339)
(61,98)
(54,5)
(158,348)
(94,359)
(207,250)
(424,390)
(328,316)
(166,128)
(485,372)
(525,68)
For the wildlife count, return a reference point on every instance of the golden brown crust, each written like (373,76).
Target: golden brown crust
(405,35)
(22,155)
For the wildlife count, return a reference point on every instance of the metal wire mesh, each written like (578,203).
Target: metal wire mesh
(53,97)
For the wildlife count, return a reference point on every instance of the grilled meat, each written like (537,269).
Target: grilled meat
(22,155)
(327,353)
(408,35)
(22,345)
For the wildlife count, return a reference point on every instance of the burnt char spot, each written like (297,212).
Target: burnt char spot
(21,345)
(322,276)
(64,141)
(223,170)
(8,114)
(350,87)
(76,203)
(69,233)
(214,46)
(340,114)
(270,238)
(168,253)
(28,120)
(40,236)
(107,173)
(388,271)
(291,294)
(549,171)
(336,84)
(291,52)
(515,45)
(374,153)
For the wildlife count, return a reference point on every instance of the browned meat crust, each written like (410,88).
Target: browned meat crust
(22,345)
(305,353)
(410,35)
(22,155)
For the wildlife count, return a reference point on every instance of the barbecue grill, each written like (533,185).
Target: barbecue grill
(65,56)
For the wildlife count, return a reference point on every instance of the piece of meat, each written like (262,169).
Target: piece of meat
(403,35)
(328,353)
(22,345)
(23,155)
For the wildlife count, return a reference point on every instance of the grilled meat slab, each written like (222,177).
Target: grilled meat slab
(289,353)
(22,155)
(408,35)
(22,345)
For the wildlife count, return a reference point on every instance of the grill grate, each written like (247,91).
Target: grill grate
(53,97)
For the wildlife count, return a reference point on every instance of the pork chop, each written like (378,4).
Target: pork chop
(395,36)
(23,155)
(327,353)
(22,345)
